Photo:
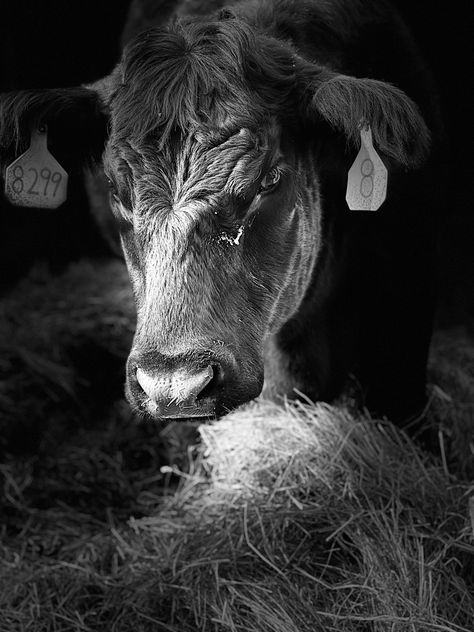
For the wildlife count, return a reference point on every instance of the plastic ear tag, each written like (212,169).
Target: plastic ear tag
(367,178)
(36,178)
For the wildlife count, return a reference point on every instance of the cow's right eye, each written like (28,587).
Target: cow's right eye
(112,187)
(119,209)
(113,192)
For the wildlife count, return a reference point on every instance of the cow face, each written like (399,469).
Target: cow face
(216,196)
(217,241)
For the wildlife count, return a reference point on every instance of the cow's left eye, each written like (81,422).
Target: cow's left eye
(270,180)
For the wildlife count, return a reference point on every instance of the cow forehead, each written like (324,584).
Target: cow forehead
(191,167)
(199,73)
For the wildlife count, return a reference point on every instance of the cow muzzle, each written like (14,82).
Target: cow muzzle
(164,387)
(177,394)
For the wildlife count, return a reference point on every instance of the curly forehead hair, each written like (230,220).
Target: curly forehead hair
(200,73)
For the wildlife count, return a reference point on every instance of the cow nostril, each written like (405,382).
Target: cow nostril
(217,379)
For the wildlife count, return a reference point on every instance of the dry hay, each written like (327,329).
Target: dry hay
(286,518)
(63,344)
(451,373)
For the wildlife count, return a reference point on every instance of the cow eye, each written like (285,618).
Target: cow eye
(112,187)
(113,191)
(270,180)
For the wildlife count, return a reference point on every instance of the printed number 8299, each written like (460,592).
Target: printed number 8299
(41,180)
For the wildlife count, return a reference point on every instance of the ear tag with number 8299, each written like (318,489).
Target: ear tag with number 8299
(36,178)
(367,178)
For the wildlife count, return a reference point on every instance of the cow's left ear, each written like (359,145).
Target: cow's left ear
(347,103)
(75,117)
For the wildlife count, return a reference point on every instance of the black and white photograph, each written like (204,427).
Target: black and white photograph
(236,316)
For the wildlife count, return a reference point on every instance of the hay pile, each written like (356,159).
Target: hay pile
(282,519)
(63,345)
(451,373)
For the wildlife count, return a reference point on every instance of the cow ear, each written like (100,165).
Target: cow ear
(347,103)
(75,117)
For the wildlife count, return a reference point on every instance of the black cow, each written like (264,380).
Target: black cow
(226,137)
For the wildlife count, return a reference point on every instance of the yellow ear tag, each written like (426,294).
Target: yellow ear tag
(367,178)
(36,178)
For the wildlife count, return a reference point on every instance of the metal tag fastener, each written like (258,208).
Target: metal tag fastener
(367,178)
(36,178)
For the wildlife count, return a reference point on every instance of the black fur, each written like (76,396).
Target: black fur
(74,116)
(196,74)
(348,104)
(199,110)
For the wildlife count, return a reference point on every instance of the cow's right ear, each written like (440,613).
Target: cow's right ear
(76,119)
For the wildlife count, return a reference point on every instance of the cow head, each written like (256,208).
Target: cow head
(208,134)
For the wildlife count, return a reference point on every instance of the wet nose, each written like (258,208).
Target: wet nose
(179,386)
(178,393)
(193,383)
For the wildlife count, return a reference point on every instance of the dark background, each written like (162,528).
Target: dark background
(57,43)
(52,44)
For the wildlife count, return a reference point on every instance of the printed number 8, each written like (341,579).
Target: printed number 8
(18,184)
(367,182)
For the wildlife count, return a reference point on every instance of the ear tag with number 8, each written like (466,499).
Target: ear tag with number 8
(367,178)
(36,178)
